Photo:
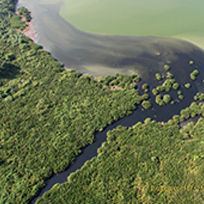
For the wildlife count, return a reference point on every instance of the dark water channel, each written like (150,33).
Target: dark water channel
(160,114)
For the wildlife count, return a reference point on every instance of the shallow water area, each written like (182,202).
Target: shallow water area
(99,54)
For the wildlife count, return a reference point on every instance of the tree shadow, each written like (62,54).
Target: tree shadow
(9,71)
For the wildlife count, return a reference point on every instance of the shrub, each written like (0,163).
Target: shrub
(166,98)
(154,91)
(146,105)
(158,76)
(181,97)
(191,62)
(160,88)
(170,76)
(145,86)
(158,100)
(175,86)
(166,67)
(188,85)
(194,74)
(145,96)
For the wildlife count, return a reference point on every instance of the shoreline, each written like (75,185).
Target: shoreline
(29,31)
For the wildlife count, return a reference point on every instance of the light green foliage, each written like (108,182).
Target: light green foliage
(175,86)
(194,74)
(147,160)
(159,100)
(199,96)
(158,77)
(146,105)
(167,98)
(169,76)
(166,67)
(145,96)
(188,85)
(155,91)
(191,62)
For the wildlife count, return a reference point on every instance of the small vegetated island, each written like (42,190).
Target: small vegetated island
(48,114)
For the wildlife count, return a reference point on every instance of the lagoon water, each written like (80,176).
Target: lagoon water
(102,54)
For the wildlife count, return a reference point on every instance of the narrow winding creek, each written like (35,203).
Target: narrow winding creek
(105,54)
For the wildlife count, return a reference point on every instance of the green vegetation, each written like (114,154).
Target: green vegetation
(146,105)
(48,113)
(159,100)
(199,96)
(147,163)
(191,62)
(155,91)
(188,85)
(145,96)
(169,75)
(167,98)
(166,67)
(120,81)
(175,86)
(158,77)
(194,74)
(16,22)
(19,21)
(25,13)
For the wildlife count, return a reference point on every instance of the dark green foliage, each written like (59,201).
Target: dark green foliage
(146,105)
(147,163)
(25,13)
